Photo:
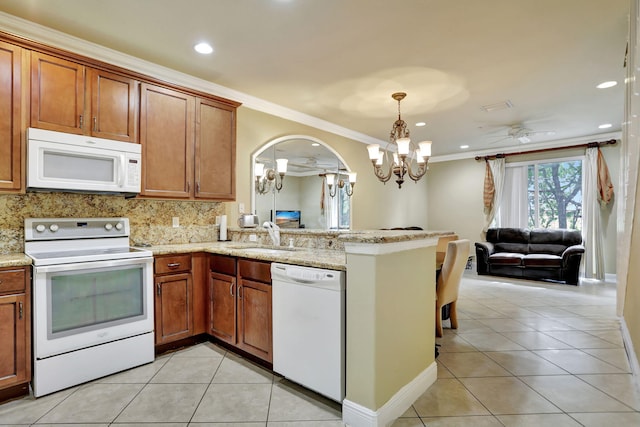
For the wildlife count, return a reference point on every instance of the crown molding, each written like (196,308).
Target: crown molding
(567,143)
(48,36)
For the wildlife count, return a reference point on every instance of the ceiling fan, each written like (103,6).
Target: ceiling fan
(522,134)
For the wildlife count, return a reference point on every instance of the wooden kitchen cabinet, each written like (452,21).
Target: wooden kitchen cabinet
(215,151)
(188,146)
(254,308)
(13,84)
(174,298)
(222,298)
(15,332)
(69,97)
(167,129)
(240,310)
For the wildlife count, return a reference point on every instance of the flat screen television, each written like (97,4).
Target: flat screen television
(288,219)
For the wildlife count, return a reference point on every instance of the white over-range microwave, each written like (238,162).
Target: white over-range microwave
(58,161)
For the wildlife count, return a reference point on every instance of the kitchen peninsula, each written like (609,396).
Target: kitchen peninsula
(389,309)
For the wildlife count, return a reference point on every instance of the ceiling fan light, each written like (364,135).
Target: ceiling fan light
(380,158)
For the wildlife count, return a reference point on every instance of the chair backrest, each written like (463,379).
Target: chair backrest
(455,261)
(443,241)
(441,247)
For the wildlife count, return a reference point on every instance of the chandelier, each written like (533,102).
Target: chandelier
(402,161)
(267,179)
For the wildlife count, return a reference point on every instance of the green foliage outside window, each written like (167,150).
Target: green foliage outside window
(555,195)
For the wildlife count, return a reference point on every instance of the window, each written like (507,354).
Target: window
(544,194)
(554,191)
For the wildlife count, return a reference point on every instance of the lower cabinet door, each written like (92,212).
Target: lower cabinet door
(254,319)
(173,310)
(222,300)
(13,336)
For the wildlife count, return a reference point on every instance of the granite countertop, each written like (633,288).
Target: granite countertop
(320,258)
(310,257)
(14,260)
(390,236)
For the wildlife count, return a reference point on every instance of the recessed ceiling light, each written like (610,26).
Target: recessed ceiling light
(315,144)
(203,48)
(464,147)
(604,85)
(605,126)
(419,124)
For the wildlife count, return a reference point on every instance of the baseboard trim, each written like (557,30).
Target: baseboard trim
(631,354)
(355,415)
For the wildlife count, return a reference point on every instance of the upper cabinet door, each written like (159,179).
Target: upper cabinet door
(166,133)
(114,106)
(57,94)
(11,114)
(215,158)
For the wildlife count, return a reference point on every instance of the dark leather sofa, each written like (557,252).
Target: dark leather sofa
(539,254)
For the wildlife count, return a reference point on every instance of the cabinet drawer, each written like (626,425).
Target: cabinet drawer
(12,280)
(223,264)
(172,264)
(255,270)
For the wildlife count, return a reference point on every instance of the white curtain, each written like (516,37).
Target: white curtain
(497,170)
(591,223)
(514,208)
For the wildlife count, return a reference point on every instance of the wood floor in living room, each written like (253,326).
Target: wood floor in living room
(526,354)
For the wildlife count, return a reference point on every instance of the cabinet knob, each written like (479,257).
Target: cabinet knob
(95,124)
(81,121)
(20,310)
(158,289)
(173,265)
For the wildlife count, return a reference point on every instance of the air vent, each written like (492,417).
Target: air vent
(497,106)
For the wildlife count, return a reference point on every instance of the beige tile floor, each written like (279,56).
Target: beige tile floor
(525,354)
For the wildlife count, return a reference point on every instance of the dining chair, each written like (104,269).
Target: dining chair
(448,282)
(441,247)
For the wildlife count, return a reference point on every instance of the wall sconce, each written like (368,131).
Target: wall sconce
(267,179)
(331,182)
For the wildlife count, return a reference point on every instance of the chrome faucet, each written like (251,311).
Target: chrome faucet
(274,232)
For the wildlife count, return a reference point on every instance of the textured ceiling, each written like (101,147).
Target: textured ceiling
(340,60)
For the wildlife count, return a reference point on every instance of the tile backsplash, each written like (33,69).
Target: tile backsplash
(151,220)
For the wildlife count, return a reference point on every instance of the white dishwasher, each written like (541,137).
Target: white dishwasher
(309,327)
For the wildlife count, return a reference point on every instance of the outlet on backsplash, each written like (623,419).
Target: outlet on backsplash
(253,238)
(175,222)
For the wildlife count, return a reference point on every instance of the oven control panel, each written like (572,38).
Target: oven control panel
(74,228)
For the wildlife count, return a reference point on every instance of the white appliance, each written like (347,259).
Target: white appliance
(67,162)
(92,300)
(309,327)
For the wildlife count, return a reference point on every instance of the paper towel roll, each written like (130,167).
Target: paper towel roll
(223,228)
